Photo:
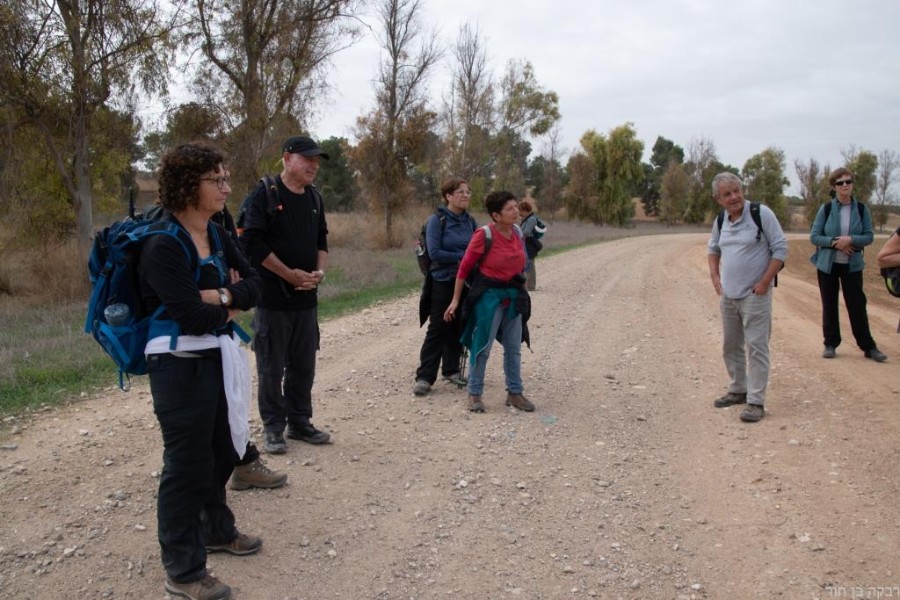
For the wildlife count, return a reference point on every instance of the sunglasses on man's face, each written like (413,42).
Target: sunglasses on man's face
(843,182)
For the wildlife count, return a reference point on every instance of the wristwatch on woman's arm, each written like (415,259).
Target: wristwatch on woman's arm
(224,297)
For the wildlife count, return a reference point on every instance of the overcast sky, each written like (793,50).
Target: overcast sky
(808,76)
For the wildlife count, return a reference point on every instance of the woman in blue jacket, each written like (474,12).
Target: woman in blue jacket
(447,235)
(843,227)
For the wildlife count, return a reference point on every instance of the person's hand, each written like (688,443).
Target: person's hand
(761,288)
(234,276)
(210,297)
(304,280)
(844,244)
(717,283)
(450,313)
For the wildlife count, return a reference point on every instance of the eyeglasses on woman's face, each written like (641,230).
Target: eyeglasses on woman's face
(843,182)
(221,182)
(462,193)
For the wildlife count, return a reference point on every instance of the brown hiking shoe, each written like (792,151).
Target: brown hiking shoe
(208,588)
(474,403)
(519,401)
(730,399)
(242,545)
(258,475)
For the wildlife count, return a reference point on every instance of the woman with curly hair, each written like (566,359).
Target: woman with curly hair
(196,282)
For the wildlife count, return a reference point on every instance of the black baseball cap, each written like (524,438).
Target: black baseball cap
(300,144)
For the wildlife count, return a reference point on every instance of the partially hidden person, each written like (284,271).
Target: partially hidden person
(533,245)
(447,235)
(288,245)
(841,230)
(743,262)
(498,306)
(199,377)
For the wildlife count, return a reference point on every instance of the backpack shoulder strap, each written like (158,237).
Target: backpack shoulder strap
(754,214)
(273,203)
(317,195)
(720,219)
(860,208)
(488,240)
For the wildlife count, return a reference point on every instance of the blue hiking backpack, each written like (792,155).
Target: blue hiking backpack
(115,293)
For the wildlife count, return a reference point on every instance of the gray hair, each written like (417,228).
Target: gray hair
(726,177)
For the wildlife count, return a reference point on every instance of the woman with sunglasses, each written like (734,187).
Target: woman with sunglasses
(199,377)
(842,228)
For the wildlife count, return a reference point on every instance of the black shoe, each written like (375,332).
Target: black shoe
(876,355)
(829,352)
(275,443)
(730,399)
(305,432)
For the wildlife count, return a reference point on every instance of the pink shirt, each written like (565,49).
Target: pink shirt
(505,260)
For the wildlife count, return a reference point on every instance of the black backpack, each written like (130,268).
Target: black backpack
(273,203)
(757,219)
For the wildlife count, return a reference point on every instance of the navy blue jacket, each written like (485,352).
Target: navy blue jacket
(447,249)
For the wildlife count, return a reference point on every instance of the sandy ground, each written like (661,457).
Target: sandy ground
(626,482)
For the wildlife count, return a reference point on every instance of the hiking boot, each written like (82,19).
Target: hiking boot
(256,474)
(876,355)
(275,443)
(305,432)
(474,403)
(421,388)
(730,399)
(753,413)
(242,545)
(519,401)
(208,588)
(829,352)
(456,379)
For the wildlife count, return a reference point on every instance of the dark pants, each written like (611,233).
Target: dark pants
(855,299)
(285,343)
(198,458)
(250,454)
(441,346)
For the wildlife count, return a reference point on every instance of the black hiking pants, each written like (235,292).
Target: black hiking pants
(198,458)
(441,346)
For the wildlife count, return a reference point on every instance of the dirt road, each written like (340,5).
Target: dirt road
(626,482)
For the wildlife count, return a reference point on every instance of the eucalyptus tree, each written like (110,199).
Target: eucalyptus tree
(64,61)
(603,173)
(764,181)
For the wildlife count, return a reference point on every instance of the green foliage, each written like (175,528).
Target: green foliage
(764,181)
(675,187)
(67,60)
(601,182)
(701,166)
(665,152)
(335,179)
(187,122)
(864,165)
(524,105)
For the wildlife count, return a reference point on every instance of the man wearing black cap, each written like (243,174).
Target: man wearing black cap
(287,244)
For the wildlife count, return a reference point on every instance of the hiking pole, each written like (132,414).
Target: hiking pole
(463,359)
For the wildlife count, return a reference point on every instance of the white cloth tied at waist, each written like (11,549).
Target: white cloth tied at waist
(235,375)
